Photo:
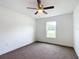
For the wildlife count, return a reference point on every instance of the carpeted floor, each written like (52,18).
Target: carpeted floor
(41,51)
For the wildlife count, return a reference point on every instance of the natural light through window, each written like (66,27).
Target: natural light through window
(51,29)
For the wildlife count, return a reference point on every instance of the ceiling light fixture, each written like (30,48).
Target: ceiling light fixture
(40,11)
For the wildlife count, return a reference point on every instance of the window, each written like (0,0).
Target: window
(51,29)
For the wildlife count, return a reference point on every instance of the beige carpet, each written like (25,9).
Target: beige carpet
(41,51)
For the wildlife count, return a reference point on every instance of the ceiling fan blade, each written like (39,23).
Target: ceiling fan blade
(50,7)
(45,12)
(30,8)
(36,12)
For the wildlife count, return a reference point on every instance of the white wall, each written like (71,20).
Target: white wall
(16,30)
(76,29)
(64,30)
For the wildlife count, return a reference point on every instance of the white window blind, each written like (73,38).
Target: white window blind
(51,29)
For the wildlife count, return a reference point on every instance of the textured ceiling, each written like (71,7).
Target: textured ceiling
(61,6)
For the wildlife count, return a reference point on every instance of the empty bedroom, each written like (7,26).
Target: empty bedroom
(39,29)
